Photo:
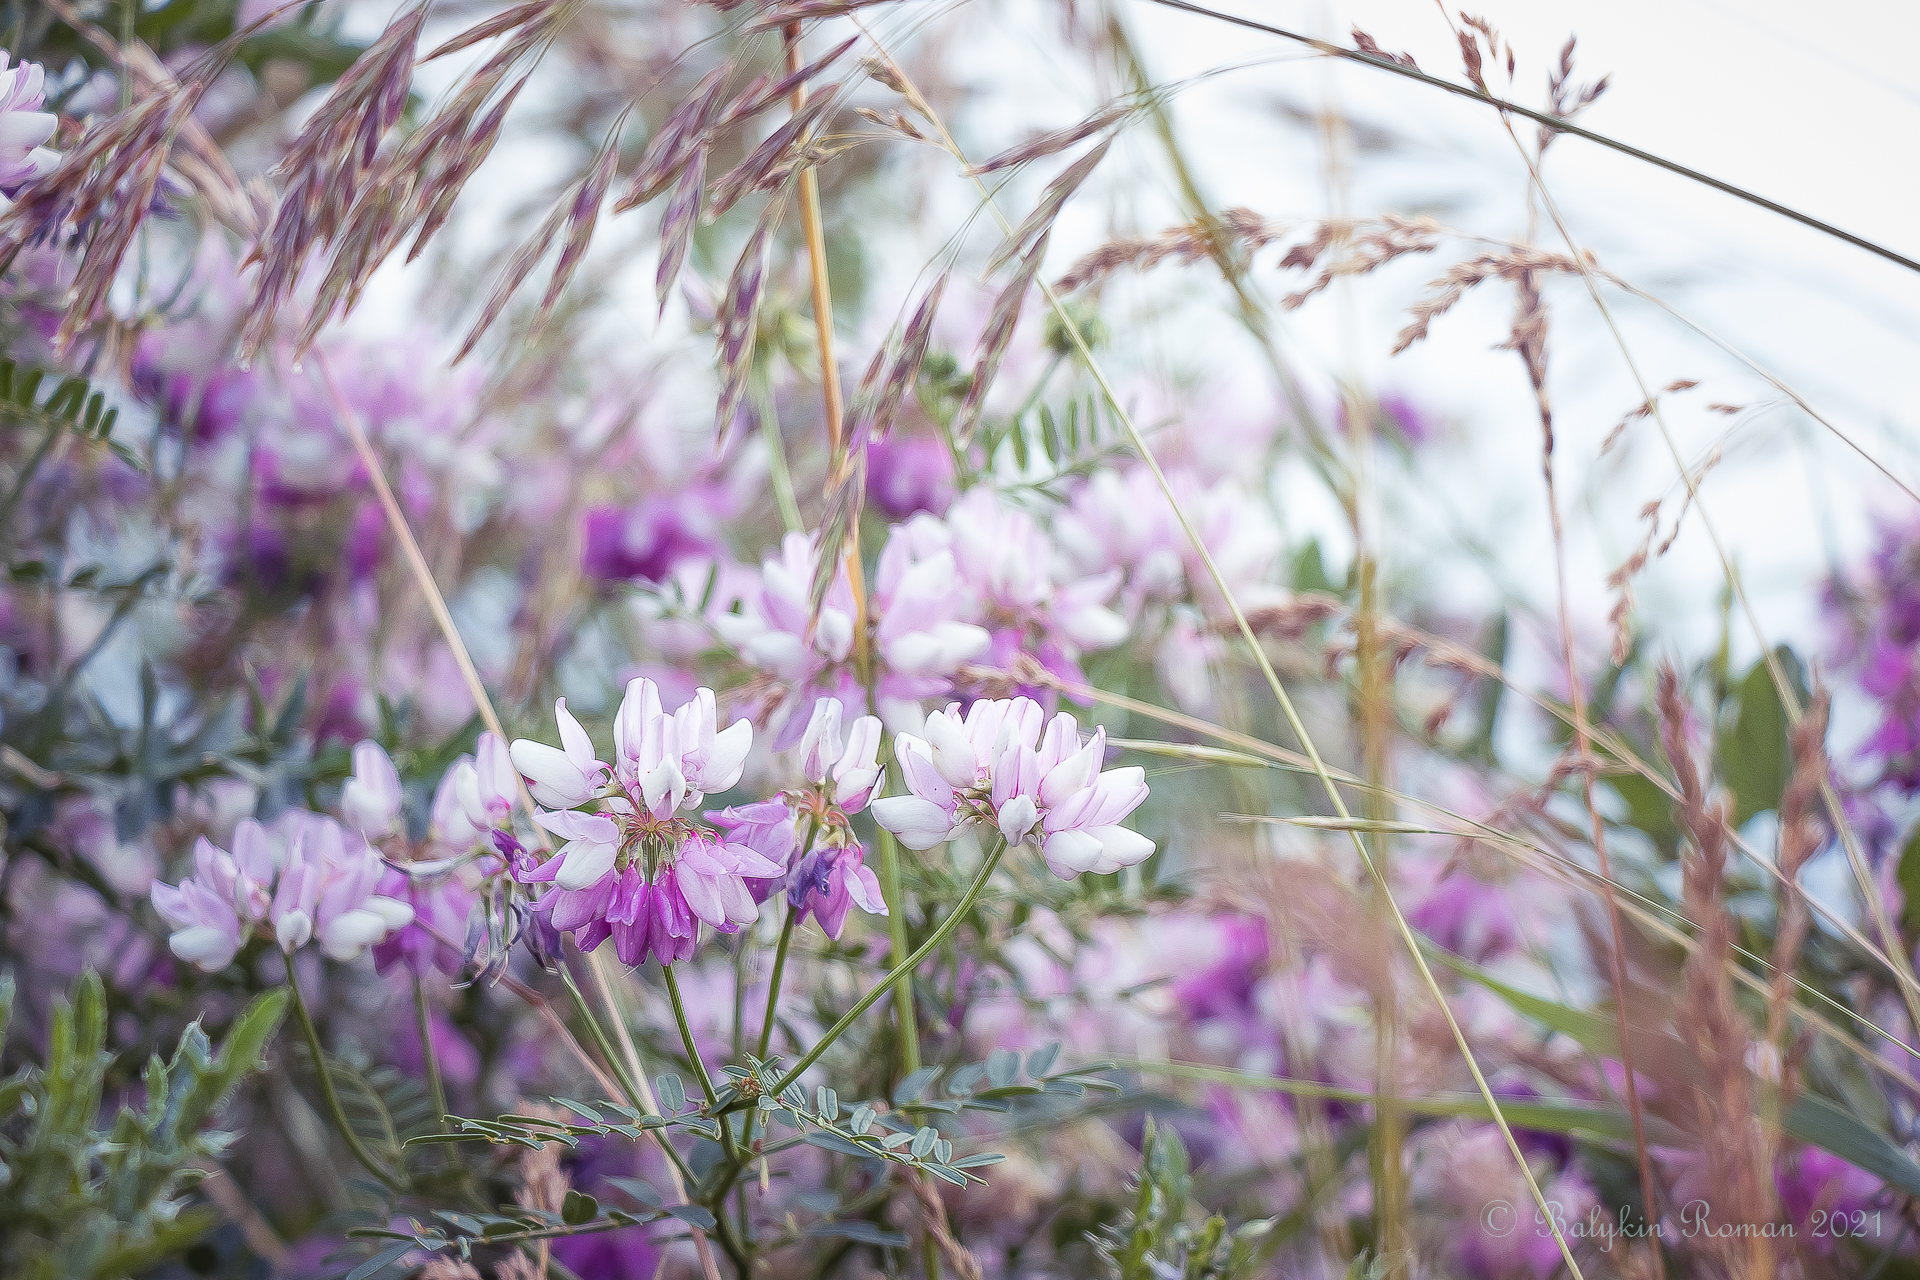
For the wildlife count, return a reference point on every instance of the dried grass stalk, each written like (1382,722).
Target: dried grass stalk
(739,318)
(1237,229)
(1733,1147)
(995,339)
(1038,223)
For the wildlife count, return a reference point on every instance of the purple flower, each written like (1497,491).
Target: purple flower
(987,768)
(303,880)
(648,540)
(907,474)
(828,882)
(444,905)
(23,125)
(637,871)
(371,799)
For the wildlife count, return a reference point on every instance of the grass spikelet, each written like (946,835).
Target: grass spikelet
(673,146)
(739,318)
(325,167)
(1052,143)
(764,92)
(583,211)
(676,224)
(1709,1023)
(1036,225)
(763,166)
(1238,230)
(519,267)
(995,339)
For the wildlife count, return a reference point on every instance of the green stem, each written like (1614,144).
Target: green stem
(773,987)
(786,938)
(699,1066)
(26,473)
(777,471)
(905,968)
(686,1035)
(335,1111)
(599,1035)
(903,1005)
(620,1076)
(424,1017)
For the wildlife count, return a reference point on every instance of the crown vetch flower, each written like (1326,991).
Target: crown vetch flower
(23,125)
(324,886)
(636,870)
(827,883)
(830,876)
(993,767)
(914,612)
(438,876)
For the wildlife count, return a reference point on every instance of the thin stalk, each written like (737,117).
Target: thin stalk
(905,968)
(905,1013)
(838,447)
(335,1112)
(423,1018)
(599,1037)
(773,986)
(786,939)
(1617,969)
(27,469)
(1789,700)
(686,1038)
(1552,122)
(1294,722)
(777,469)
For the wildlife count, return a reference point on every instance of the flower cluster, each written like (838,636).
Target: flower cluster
(437,876)
(829,875)
(633,869)
(994,767)
(304,878)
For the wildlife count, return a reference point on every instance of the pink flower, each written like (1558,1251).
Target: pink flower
(473,801)
(371,799)
(562,776)
(323,886)
(851,766)
(919,636)
(988,769)
(828,882)
(636,871)
(665,761)
(23,125)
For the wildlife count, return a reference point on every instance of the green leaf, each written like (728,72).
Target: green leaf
(1755,756)
(1002,1066)
(1823,1124)
(381,1261)
(1910,879)
(1041,1060)
(914,1087)
(978,1161)
(857,1230)
(578,1208)
(640,1189)
(673,1094)
(692,1214)
(830,1141)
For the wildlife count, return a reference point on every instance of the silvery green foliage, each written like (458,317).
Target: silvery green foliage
(80,1200)
(1163,1235)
